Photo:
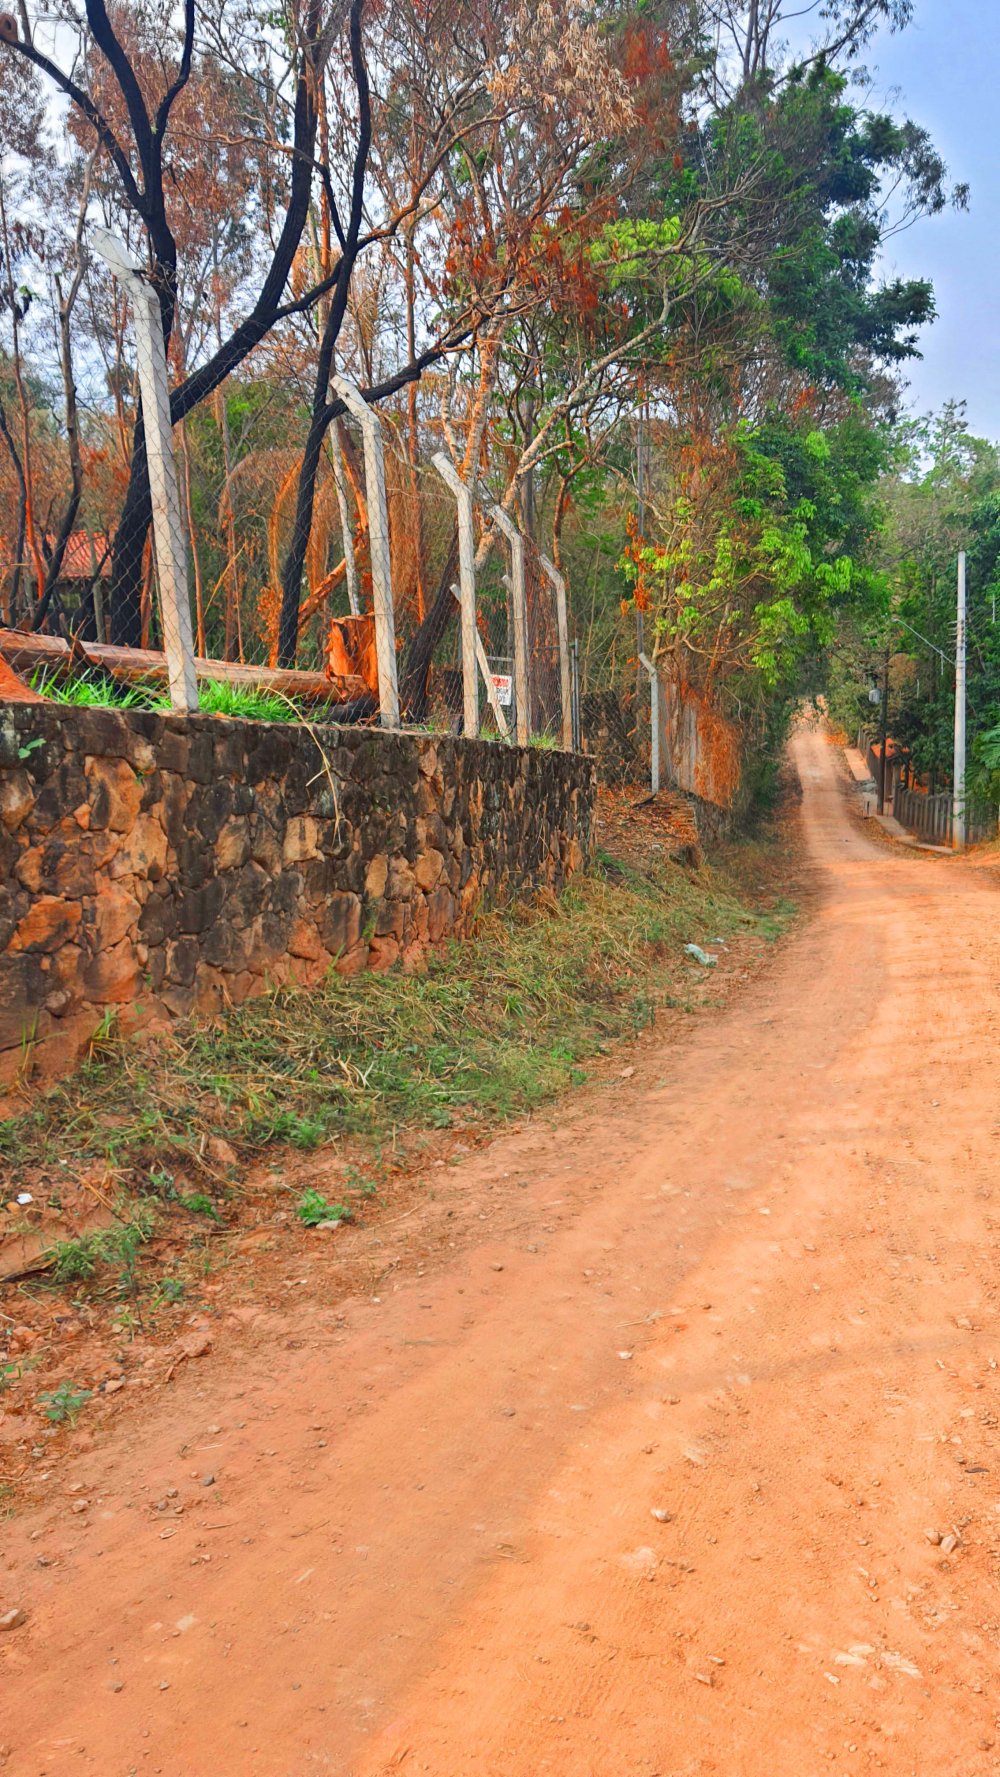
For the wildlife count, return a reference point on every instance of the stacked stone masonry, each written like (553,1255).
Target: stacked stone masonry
(158,865)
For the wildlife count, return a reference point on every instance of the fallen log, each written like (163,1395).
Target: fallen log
(26,653)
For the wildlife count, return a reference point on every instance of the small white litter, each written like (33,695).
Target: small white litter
(704,957)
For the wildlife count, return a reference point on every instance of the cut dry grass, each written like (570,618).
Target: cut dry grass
(491,1030)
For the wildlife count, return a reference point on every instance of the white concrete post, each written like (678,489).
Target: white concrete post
(958,819)
(562,629)
(518,593)
(378,541)
(467,590)
(654,721)
(168,530)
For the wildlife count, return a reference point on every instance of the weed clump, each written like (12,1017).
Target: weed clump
(315,1212)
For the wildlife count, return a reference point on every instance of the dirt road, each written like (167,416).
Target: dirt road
(637,1484)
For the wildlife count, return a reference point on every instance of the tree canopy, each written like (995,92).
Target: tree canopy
(522,230)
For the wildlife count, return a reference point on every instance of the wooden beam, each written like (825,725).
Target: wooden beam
(26,653)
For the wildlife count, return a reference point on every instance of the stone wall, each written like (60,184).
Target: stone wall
(160,865)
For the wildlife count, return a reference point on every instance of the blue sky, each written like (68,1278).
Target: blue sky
(943,72)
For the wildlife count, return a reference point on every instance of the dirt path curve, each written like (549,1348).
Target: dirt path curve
(638,1484)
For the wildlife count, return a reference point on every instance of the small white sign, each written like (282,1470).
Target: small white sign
(503,685)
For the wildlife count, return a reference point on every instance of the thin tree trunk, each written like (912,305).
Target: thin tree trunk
(14,595)
(412,426)
(66,305)
(291,578)
(14,306)
(201,645)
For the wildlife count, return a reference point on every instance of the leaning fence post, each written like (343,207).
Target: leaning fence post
(522,686)
(378,539)
(485,674)
(168,531)
(562,629)
(340,483)
(467,590)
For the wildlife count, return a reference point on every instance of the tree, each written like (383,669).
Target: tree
(139,149)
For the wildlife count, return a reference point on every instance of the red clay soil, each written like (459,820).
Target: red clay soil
(650,1479)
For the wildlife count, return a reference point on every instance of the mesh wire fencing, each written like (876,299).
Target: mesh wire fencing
(237,471)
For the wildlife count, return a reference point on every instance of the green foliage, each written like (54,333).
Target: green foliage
(631,250)
(758,580)
(200,1204)
(829,166)
(287,1126)
(943,497)
(64,1404)
(76,1261)
(314,1209)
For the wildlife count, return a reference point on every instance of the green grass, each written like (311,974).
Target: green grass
(776,921)
(492,1030)
(216,697)
(95,690)
(314,1210)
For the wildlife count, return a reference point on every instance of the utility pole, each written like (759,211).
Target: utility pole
(640,512)
(958,812)
(884,727)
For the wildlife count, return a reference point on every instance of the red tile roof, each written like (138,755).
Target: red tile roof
(78,563)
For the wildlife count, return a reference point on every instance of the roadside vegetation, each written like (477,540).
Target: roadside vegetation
(163,1133)
(216,697)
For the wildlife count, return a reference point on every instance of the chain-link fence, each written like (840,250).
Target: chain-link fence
(376,598)
(347,563)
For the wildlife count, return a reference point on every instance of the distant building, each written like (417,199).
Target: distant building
(86,566)
(897,765)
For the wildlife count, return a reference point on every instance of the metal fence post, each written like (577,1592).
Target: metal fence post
(168,531)
(562,628)
(467,590)
(378,536)
(522,680)
(577,713)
